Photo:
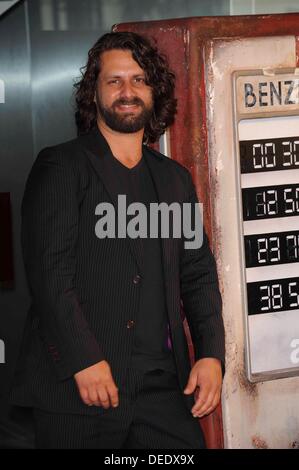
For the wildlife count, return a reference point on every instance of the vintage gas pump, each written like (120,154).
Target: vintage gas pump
(237,131)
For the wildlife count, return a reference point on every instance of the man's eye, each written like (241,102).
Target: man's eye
(112,82)
(140,80)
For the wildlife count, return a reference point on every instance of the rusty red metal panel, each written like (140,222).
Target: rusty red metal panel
(183,41)
(208,27)
(6,253)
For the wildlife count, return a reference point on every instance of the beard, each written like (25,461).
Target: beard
(126,123)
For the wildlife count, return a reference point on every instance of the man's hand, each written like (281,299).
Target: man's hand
(96,385)
(207,375)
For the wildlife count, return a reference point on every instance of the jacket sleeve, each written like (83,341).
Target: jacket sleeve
(201,297)
(50,211)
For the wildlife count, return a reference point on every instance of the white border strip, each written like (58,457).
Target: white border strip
(268,128)
(270,178)
(270,273)
(279,224)
(274,315)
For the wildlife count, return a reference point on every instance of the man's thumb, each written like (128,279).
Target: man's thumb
(191,385)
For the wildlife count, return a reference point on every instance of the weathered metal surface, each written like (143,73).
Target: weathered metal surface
(255,415)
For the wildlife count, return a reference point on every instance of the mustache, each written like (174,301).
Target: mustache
(132,101)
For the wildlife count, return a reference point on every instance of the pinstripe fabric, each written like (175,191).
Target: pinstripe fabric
(151,415)
(83,290)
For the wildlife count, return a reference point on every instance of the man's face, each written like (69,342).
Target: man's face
(124,100)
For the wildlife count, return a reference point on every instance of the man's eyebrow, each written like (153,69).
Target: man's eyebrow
(141,74)
(111,75)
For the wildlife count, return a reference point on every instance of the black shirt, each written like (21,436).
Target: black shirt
(151,342)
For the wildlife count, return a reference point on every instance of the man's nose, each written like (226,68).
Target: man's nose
(127,90)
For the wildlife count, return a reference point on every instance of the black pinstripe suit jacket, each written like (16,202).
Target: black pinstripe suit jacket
(84,290)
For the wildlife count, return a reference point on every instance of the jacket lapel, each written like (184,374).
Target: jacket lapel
(96,148)
(164,188)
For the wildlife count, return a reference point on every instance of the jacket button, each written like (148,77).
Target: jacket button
(56,356)
(137,279)
(130,324)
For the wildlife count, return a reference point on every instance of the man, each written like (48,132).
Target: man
(104,360)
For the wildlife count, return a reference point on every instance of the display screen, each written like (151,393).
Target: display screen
(268,249)
(270,201)
(269,154)
(269,166)
(273,296)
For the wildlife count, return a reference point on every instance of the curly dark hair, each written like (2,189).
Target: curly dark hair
(157,74)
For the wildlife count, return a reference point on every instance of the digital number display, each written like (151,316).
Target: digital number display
(270,201)
(273,296)
(261,202)
(268,249)
(269,154)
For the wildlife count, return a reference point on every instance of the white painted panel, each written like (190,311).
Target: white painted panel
(266,333)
